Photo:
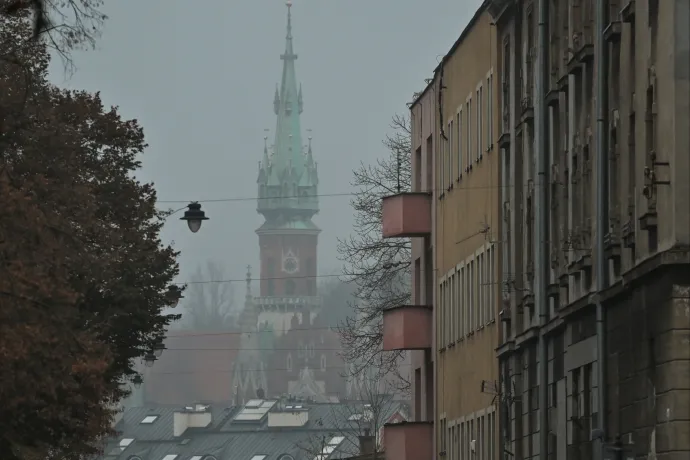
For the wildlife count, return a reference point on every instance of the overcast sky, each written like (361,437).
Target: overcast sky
(200,77)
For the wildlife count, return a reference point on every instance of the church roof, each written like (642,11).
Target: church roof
(308,388)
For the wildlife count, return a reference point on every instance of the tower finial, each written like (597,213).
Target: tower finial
(289,23)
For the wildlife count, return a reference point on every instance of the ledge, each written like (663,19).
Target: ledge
(612,32)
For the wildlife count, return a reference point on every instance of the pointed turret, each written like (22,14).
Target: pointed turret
(287,179)
(300,102)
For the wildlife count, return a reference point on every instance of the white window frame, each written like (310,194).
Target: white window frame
(450,152)
(459,140)
(439,319)
(468,117)
(490,110)
(480,121)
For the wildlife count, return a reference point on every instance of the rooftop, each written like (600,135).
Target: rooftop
(243,433)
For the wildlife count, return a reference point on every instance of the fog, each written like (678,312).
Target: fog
(201,80)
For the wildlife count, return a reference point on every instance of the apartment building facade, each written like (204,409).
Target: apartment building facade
(453,217)
(646,231)
(466,243)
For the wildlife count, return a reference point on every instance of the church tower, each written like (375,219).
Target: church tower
(286,348)
(287,190)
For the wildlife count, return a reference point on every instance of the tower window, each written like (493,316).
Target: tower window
(289,361)
(289,287)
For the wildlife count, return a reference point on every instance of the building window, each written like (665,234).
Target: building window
(289,287)
(323,362)
(149,419)
(458,140)
(417,187)
(490,111)
(463,309)
(481,286)
(289,362)
(442,435)
(451,319)
(468,115)
(440,317)
(270,288)
(311,272)
(451,167)
(480,122)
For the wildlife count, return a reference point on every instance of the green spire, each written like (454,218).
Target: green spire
(288,176)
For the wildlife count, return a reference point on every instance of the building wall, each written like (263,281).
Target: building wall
(466,242)
(646,303)
(424,137)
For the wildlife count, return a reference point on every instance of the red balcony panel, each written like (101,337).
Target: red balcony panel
(408,327)
(408,440)
(407,215)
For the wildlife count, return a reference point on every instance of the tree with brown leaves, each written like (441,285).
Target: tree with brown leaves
(379,268)
(84,277)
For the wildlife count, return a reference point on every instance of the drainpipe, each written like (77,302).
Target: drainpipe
(601,56)
(541,263)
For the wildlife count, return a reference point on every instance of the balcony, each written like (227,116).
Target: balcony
(408,440)
(407,215)
(408,327)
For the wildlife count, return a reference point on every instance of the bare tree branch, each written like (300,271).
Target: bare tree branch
(364,417)
(209,306)
(64,25)
(379,268)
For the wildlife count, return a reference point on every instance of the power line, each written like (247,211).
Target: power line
(255,349)
(207,334)
(320,195)
(271,369)
(238,280)
(248,198)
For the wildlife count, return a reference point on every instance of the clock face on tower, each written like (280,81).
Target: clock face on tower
(290,262)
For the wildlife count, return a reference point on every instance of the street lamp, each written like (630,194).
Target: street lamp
(174,295)
(194,216)
(158,348)
(137,381)
(149,359)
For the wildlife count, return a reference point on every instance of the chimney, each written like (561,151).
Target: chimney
(367,443)
(196,416)
(289,416)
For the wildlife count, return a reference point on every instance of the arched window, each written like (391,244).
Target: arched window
(311,273)
(289,287)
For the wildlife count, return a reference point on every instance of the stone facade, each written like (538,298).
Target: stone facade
(647,237)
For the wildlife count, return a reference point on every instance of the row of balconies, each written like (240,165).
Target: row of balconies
(408,327)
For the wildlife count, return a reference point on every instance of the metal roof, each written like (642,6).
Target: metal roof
(226,439)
